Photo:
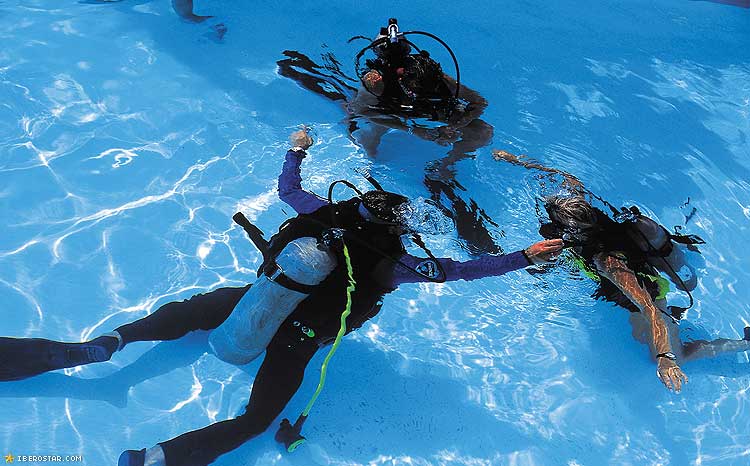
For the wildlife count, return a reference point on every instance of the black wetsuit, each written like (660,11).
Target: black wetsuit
(313,324)
(415,82)
(614,238)
(316,320)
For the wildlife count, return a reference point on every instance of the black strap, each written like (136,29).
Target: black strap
(677,312)
(687,239)
(276,274)
(254,233)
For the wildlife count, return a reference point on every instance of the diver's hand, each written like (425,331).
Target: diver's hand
(301,139)
(670,374)
(447,135)
(443,135)
(374,83)
(544,251)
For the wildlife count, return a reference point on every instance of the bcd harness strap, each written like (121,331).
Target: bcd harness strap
(624,214)
(271,269)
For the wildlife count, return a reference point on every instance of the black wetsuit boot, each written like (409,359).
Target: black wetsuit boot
(132,458)
(21,358)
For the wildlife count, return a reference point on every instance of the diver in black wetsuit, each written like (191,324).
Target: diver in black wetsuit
(399,87)
(626,256)
(373,224)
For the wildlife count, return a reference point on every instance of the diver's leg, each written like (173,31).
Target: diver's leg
(21,358)
(475,135)
(277,381)
(173,320)
(305,72)
(184,9)
(707,349)
(366,134)
(700,348)
(472,222)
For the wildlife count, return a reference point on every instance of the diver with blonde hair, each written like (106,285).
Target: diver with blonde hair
(627,256)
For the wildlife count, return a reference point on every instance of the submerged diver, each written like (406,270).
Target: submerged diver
(626,255)
(374,264)
(184,9)
(397,88)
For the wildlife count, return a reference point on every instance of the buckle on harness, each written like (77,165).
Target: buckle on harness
(276,273)
(278,276)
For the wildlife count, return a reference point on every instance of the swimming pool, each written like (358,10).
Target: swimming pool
(129,137)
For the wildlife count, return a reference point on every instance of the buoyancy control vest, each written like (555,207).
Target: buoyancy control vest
(367,242)
(643,244)
(414,83)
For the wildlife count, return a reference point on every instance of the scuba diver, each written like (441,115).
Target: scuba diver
(399,86)
(626,254)
(324,274)
(402,87)
(183,9)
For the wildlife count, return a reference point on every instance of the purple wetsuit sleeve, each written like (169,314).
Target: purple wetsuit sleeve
(290,186)
(485,266)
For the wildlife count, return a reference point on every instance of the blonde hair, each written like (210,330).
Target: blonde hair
(570,209)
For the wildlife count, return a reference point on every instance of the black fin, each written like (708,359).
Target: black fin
(21,358)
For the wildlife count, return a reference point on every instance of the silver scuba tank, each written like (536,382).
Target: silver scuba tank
(257,316)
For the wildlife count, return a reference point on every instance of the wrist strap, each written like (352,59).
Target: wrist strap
(523,251)
(669,355)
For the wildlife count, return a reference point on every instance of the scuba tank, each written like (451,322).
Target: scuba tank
(658,245)
(258,315)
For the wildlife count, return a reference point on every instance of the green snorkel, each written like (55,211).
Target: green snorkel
(288,434)
(291,434)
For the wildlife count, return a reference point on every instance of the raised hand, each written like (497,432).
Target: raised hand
(301,138)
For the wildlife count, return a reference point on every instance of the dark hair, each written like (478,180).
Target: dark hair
(384,205)
(389,51)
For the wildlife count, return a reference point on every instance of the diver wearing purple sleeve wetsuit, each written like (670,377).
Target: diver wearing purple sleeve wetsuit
(379,264)
(303,202)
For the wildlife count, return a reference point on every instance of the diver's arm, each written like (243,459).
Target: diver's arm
(485,266)
(475,103)
(618,272)
(569,180)
(290,180)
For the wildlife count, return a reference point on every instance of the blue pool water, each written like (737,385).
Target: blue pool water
(128,138)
